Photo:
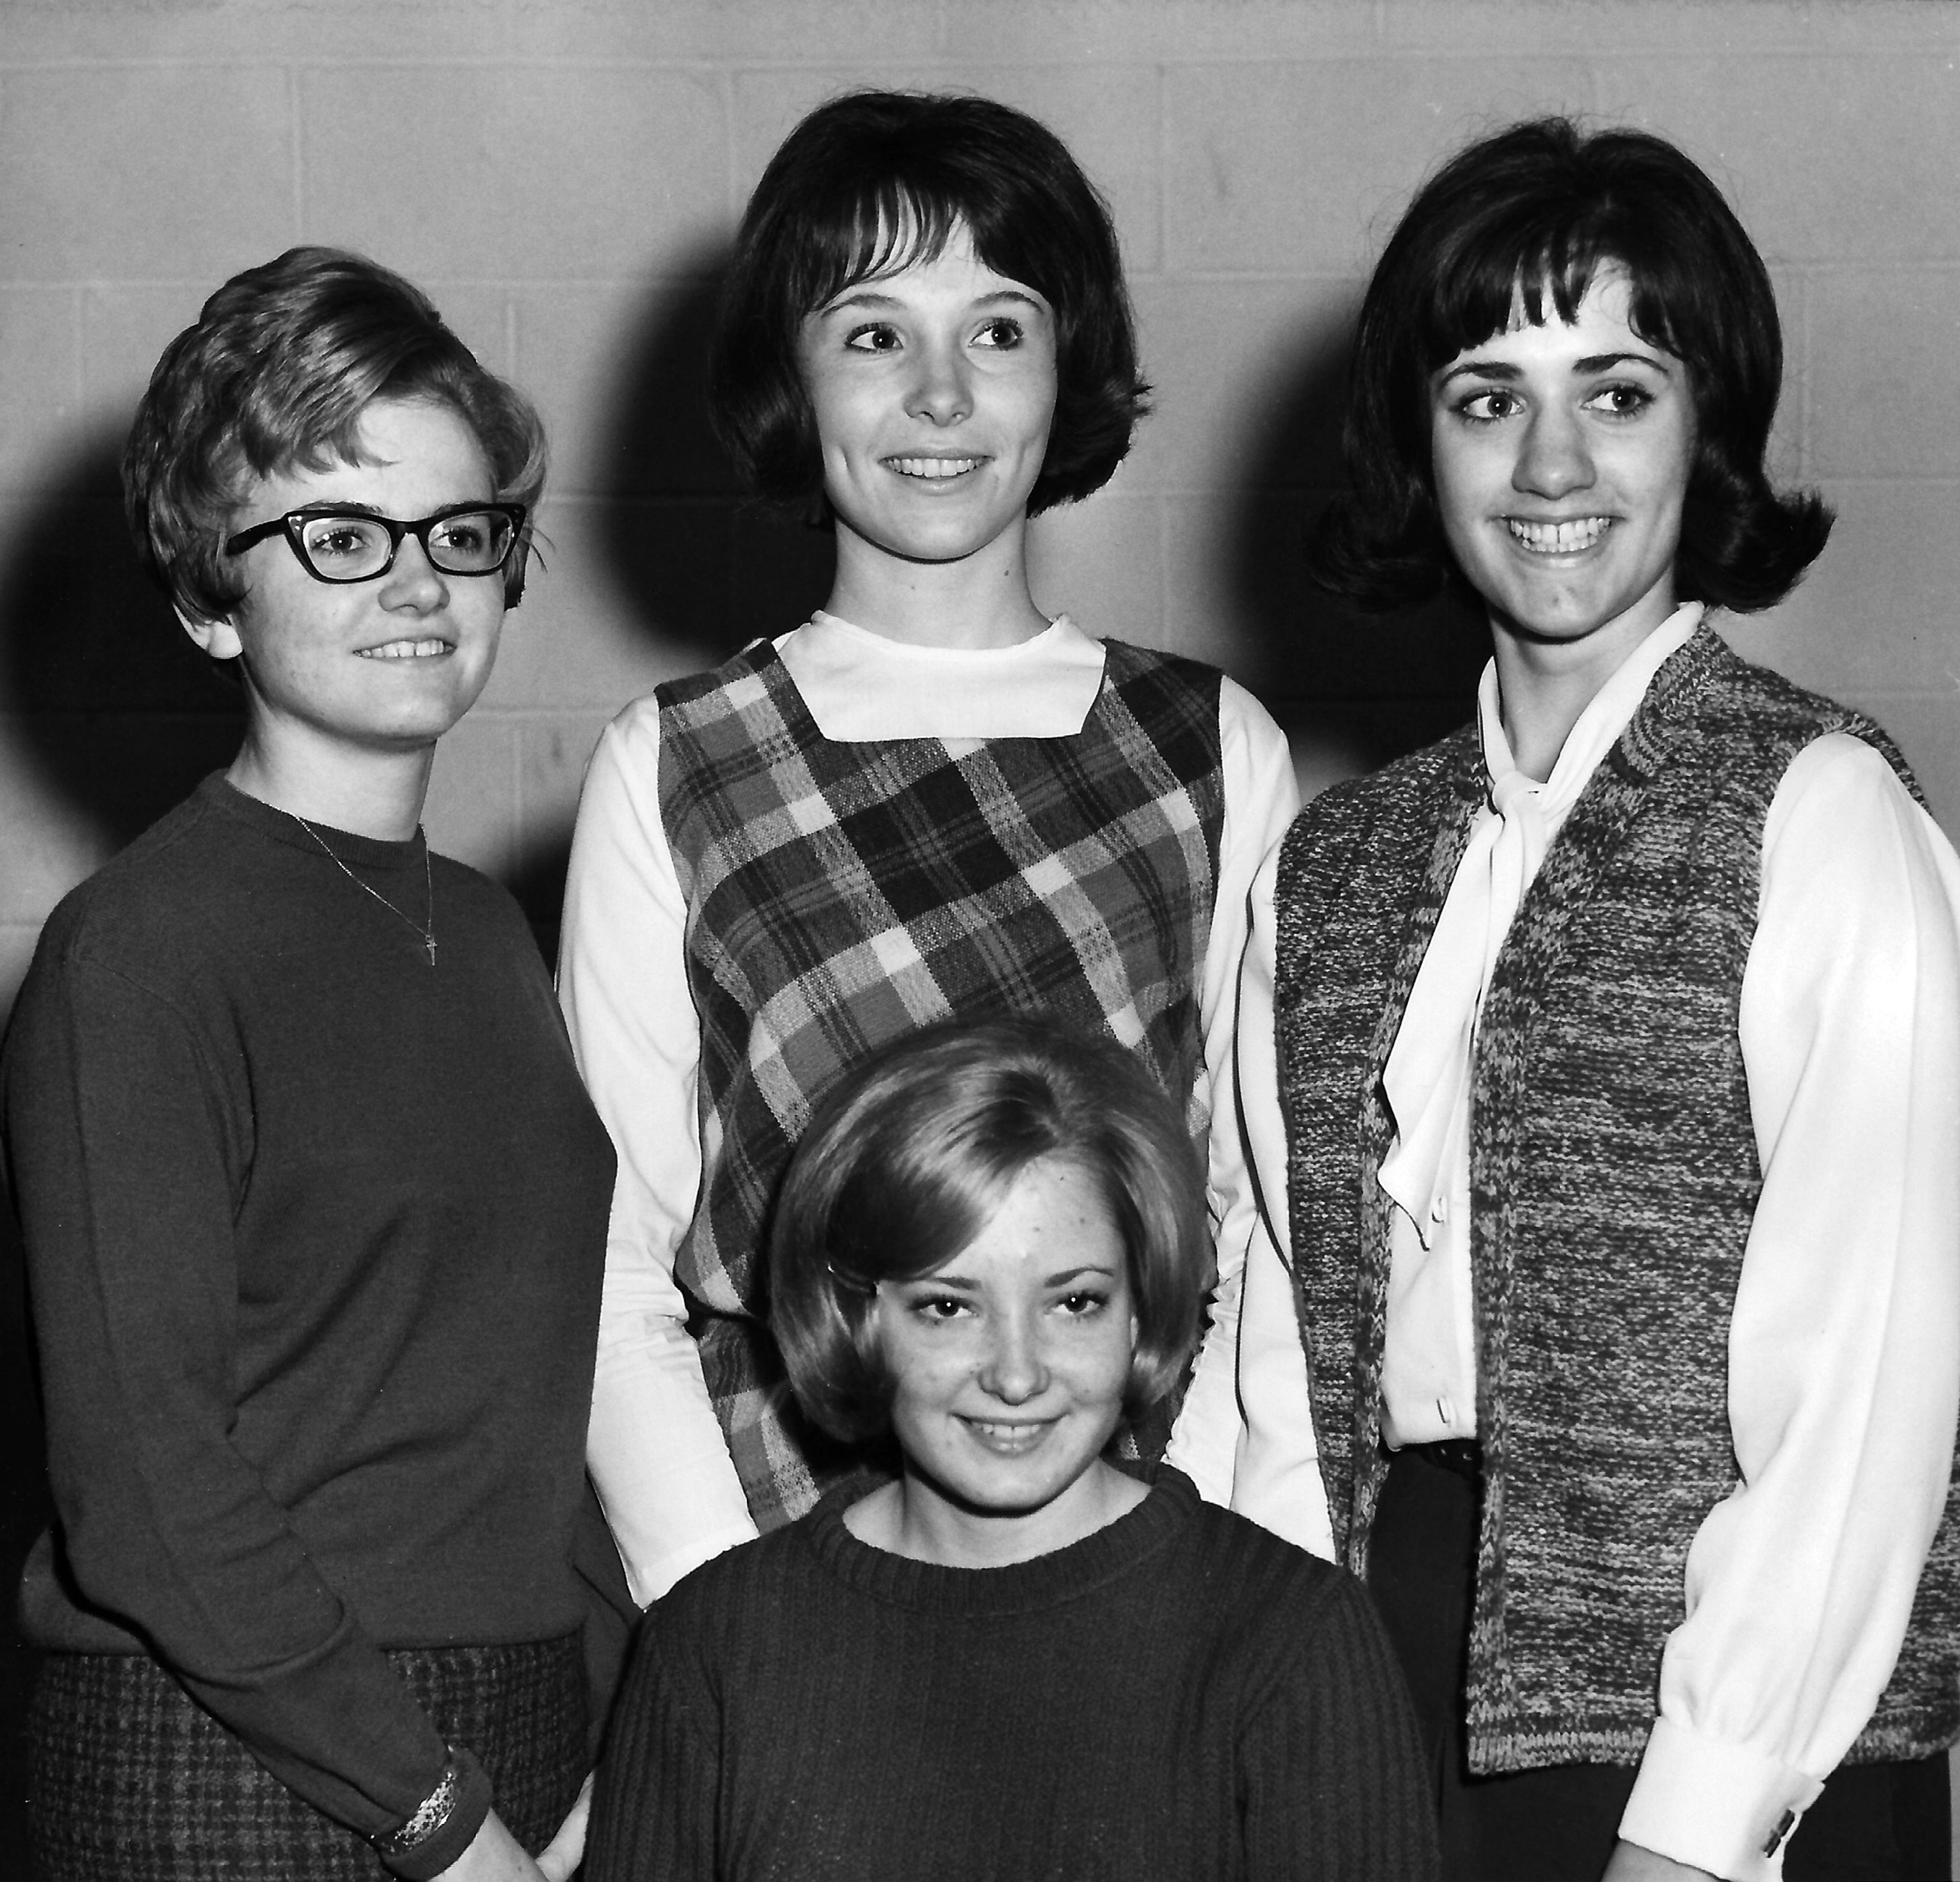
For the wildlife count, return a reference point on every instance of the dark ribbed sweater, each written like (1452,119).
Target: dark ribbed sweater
(315,1237)
(1179,1695)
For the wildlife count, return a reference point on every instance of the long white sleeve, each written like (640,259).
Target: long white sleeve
(1276,1479)
(1844,1342)
(655,1448)
(1261,796)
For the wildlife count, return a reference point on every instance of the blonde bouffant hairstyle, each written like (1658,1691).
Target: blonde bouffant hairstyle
(912,1154)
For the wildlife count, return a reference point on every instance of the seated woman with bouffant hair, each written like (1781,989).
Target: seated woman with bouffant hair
(1013,1658)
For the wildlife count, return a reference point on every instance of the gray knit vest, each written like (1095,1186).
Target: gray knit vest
(1613,1178)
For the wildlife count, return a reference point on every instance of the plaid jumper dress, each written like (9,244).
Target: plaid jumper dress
(841,895)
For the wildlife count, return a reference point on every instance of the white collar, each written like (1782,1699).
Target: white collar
(1607,715)
(860,686)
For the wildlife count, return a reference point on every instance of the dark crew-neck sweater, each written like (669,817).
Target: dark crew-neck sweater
(1179,1695)
(315,1236)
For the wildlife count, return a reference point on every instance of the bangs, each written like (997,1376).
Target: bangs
(312,422)
(922,1201)
(308,416)
(314,432)
(920,1198)
(884,224)
(888,1230)
(1537,269)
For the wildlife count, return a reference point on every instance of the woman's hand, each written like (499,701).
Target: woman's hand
(1632,1863)
(564,1852)
(495,1855)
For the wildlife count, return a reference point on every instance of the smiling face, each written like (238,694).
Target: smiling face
(1561,455)
(933,387)
(388,664)
(1009,1364)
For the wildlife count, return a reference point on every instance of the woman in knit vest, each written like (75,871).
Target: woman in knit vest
(1012,1659)
(314,1201)
(932,799)
(1603,1067)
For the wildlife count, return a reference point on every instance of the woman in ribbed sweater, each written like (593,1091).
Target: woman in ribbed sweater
(1014,1660)
(1611,1081)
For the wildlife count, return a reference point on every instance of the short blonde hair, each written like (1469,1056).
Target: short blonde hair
(908,1157)
(282,361)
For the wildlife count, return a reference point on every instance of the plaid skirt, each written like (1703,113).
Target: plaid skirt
(130,1780)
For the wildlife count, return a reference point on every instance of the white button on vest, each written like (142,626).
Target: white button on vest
(1439,1210)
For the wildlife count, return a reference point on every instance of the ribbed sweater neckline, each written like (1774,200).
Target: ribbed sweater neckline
(218,794)
(1120,1548)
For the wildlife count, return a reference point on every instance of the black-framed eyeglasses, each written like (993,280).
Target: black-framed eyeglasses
(356,545)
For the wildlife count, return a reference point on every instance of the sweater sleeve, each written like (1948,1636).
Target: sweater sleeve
(123,1155)
(655,1808)
(656,1449)
(1331,1773)
(1844,1355)
(1262,797)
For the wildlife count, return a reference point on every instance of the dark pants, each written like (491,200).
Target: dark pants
(1876,1823)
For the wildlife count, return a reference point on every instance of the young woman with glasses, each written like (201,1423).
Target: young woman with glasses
(314,1202)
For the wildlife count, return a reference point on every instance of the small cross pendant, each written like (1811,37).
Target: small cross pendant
(428,941)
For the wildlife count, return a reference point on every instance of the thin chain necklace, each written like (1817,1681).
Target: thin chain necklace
(426,930)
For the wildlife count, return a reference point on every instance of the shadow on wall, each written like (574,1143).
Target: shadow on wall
(107,703)
(701,569)
(704,567)
(112,715)
(1352,690)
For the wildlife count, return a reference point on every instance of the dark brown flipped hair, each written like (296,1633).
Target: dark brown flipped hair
(1532,215)
(282,363)
(875,181)
(908,1157)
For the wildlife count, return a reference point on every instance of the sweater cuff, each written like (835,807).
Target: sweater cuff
(1715,1804)
(456,1833)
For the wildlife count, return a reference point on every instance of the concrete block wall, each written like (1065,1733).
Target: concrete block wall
(563,176)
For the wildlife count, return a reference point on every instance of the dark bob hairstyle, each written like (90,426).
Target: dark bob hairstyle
(1531,215)
(875,181)
(908,1157)
(282,363)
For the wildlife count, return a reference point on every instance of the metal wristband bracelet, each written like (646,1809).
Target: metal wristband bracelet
(428,1817)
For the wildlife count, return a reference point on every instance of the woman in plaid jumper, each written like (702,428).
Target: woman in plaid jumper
(931,800)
